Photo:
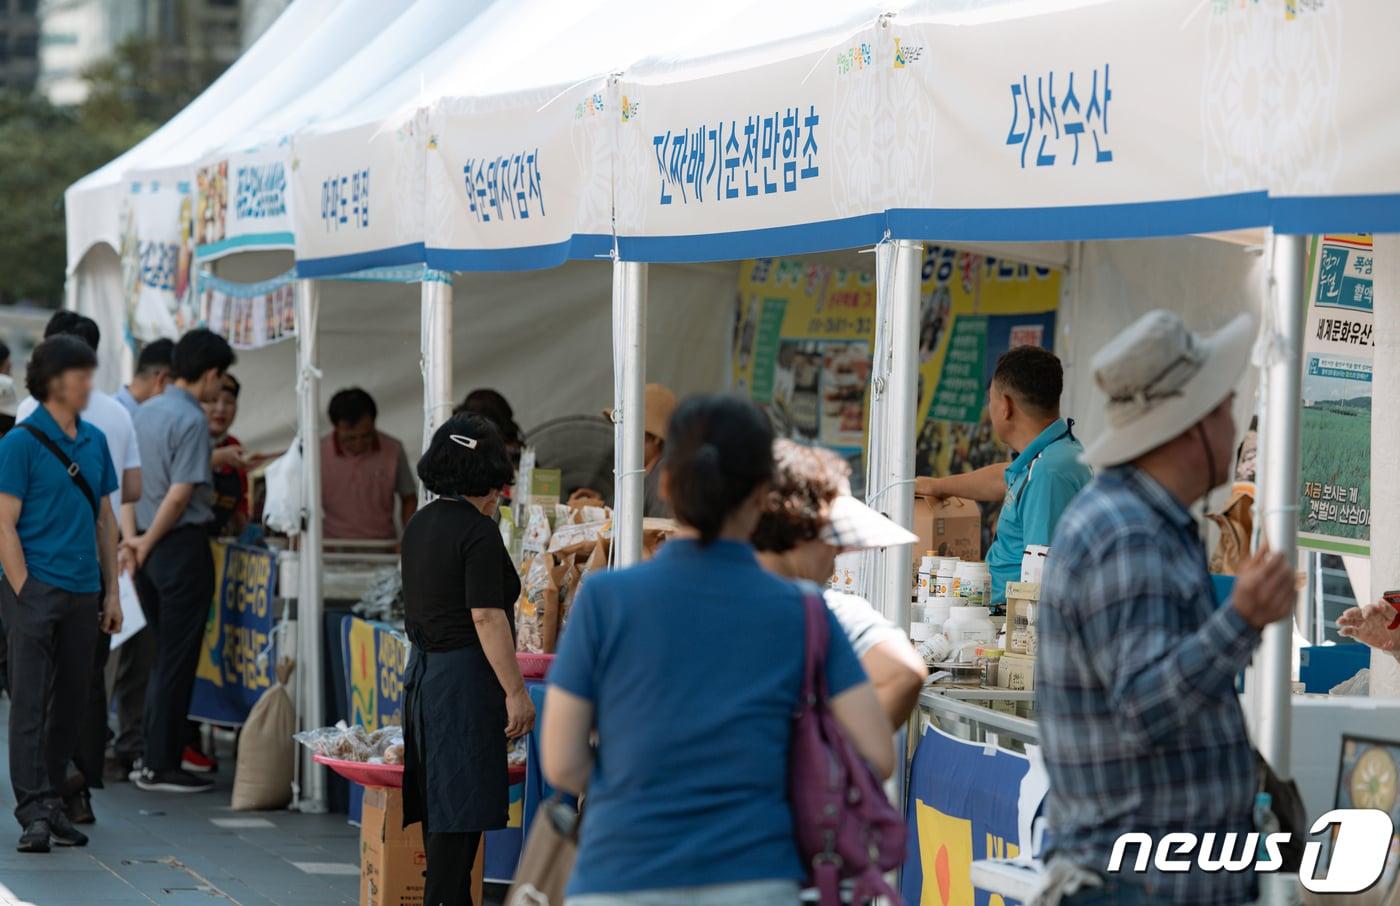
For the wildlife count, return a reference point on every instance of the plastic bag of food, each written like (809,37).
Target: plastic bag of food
(532,605)
(340,741)
(537,531)
(564,575)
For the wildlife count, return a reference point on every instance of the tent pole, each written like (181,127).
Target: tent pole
(435,347)
(898,273)
(309,605)
(1278,485)
(629,408)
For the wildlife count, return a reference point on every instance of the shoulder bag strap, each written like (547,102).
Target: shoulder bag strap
(69,465)
(814,652)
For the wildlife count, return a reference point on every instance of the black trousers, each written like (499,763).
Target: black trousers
(50,637)
(177,588)
(91,750)
(449,876)
(129,681)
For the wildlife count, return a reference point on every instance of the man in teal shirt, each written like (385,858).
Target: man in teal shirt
(1039,481)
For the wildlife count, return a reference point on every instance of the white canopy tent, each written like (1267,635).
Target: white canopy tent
(921,134)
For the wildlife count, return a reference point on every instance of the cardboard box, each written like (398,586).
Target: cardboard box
(1016,671)
(951,527)
(1022,599)
(392,860)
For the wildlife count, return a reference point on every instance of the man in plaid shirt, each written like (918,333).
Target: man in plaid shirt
(1135,675)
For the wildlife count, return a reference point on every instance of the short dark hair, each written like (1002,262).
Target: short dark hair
(1033,375)
(155,356)
(805,481)
(70,323)
(232,385)
(350,405)
(4,352)
(51,358)
(718,450)
(451,469)
(199,351)
(490,403)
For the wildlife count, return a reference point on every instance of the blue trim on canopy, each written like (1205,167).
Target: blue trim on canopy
(1307,214)
(337,265)
(769,242)
(1177,217)
(252,240)
(531,257)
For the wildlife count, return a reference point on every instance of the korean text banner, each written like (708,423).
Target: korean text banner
(964,805)
(249,316)
(357,198)
(1101,120)
(157,254)
(519,182)
(1338,357)
(242,202)
(376,659)
(771,159)
(230,677)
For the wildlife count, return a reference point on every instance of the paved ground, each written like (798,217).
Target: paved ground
(177,849)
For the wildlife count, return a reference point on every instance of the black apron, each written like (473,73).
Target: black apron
(455,776)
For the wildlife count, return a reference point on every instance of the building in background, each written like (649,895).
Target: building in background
(195,39)
(19,44)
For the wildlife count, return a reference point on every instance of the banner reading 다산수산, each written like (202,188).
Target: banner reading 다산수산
(230,677)
(1338,353)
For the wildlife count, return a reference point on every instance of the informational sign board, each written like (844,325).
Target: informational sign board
(805,336)
(157,254)
(1338,357)
(232,676)
(967,801)
(243,202)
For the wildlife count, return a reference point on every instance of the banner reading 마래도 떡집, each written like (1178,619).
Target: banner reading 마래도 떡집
(1338,356)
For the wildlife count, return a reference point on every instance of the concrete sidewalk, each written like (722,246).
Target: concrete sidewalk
(182,848)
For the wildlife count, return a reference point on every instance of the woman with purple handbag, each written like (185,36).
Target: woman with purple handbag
(691,669)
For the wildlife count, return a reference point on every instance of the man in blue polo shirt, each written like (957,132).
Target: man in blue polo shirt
(58,551)
(1041,478)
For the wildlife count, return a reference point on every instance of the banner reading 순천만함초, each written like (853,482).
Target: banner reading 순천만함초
(1338,356)
(233,672)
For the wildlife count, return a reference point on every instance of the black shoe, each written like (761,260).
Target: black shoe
(176,781)
(35,838)
(79,808)
(117,769)
(63,833)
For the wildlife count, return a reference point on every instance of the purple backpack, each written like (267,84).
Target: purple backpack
(845,826)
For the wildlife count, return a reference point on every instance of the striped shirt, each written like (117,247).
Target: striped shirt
(1135,687)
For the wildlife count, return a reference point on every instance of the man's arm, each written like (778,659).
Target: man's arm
(407,507)
(169,513)
(11,553)
(897,673)
(107,558)
(1160,668)
(131,485)
(986,484)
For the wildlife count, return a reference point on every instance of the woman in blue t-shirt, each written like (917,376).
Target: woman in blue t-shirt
(689,667)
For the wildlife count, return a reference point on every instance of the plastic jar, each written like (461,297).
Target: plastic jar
(974,583)
(968,628)
(920,632)
(990,659)
(936,611)
(945,584)
(928,568)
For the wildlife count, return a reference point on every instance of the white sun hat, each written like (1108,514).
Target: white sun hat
(851,525)
(1161,379)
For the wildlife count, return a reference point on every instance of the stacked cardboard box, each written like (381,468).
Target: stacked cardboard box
(392,859)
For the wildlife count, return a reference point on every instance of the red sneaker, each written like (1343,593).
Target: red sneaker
(196,762)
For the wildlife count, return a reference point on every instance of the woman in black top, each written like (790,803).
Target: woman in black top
(464,695)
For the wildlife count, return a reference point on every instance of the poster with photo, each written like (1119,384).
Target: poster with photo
(250,317)
(804,339)
(1338,356)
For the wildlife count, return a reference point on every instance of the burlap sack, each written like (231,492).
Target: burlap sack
(262,778)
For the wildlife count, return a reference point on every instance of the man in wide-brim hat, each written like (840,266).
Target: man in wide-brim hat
(1135,676)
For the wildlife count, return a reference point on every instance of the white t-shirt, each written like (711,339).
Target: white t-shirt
(111,418)
(865,626)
